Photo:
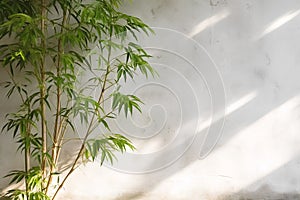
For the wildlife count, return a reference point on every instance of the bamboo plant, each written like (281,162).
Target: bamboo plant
(44,45)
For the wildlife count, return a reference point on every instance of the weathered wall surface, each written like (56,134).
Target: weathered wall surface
(206,50)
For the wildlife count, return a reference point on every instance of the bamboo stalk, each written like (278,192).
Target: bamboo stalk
(58,121)
(27,160)
(42,90)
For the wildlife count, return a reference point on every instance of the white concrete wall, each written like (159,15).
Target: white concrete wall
(247,51)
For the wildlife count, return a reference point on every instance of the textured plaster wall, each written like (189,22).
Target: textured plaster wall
(246,52)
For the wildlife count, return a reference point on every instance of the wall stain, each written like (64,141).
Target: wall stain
(260,74)
(268,59)
(152,11)
(215,3)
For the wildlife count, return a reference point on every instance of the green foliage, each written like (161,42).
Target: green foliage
(34,181)
(45,46)
(22,195)
(106,146)
(127,102)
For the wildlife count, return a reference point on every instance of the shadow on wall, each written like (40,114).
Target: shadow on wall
(263,193)
(260,189)
(285,176)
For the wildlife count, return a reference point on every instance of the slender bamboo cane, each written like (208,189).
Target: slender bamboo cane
(43,90)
